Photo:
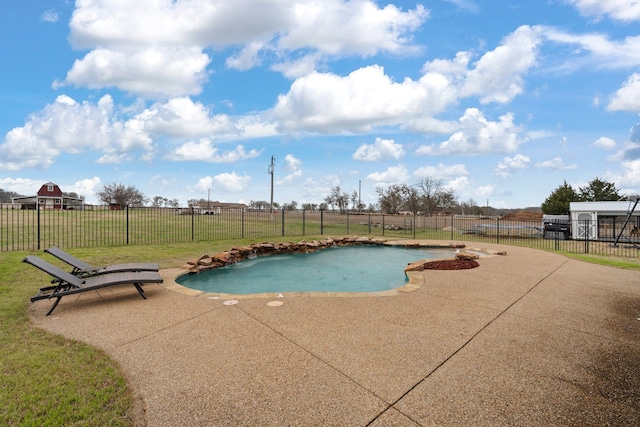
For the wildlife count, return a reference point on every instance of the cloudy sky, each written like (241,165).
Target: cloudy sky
(503,100)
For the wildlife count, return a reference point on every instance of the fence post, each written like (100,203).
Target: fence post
(369,222)
(587,223)
(193,224)
(38,237)
(383,224)
(321,221)
(451,226)
(414,226)
(347,222)
(303,221)
(127,223)
(498,230)
(242,223)
(282,222)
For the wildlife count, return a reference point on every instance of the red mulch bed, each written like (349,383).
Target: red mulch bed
(451,264)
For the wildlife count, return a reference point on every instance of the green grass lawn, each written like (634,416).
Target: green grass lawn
(50,380)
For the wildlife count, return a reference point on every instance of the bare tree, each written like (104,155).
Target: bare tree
(429,188)
(390,199)
(434,195)
(290,206)
(412,201)
(338,198)
(122,195)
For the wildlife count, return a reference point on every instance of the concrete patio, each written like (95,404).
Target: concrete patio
(531,338)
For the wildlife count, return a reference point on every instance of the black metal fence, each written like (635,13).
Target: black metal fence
(98,226)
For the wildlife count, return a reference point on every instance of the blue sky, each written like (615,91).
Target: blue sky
(503,100)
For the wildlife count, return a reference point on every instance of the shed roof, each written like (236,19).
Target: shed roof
(612,207)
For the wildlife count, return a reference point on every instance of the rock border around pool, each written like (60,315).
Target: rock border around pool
(239,253)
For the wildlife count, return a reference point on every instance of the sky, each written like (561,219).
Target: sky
(502,101)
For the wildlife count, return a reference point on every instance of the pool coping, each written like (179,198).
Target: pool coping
(416,278)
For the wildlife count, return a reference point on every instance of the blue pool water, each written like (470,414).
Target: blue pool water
(339,269)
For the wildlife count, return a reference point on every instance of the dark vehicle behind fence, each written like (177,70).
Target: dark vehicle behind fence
(556,227)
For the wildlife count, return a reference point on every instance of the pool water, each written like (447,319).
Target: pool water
(338,269)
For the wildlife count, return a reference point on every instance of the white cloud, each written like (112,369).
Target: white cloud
(86,188)
(326,102)
(293,166)
(605,143)
(627,98)
(628,175)
(182,117)
(49,16)
(596,50)
(116,133)
(476,135)
(622,10)
(497,76)
(441,171)
(337,27)
(393,175)
(231,182)
(204,151)
(556,163)
(380,149)
(69,126)
(204,185)
(247,58)
(124,39)
(458,185)
(113,158)
(509,165)
(630,151)
(153,71)
(485,191)
(24,186)
(225,182)
(367,97)
(295,68)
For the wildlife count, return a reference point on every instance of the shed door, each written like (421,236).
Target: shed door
(587,226)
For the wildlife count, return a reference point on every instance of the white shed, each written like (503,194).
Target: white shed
(603,220)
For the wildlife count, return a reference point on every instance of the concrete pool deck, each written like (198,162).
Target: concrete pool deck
(530,338)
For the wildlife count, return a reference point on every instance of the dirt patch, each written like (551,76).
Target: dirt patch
(451,264)
(523,216)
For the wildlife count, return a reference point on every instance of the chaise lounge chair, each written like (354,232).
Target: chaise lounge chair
(82,269)
(68,284)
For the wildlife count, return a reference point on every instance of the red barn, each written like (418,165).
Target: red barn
(50,196)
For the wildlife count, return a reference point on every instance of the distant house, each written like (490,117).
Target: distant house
(48,197)
(214,208)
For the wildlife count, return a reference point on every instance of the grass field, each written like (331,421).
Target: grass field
(50,380)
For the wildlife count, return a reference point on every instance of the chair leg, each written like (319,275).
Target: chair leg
(140,291)
(53,307)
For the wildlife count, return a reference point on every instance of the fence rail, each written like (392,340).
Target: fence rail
(96,226)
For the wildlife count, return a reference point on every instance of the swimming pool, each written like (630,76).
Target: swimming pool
(340,269)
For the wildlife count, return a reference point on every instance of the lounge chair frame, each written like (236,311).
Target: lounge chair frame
(83,269)
(68,284)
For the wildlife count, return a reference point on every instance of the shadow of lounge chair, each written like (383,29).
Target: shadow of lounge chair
(68,284)
(82,269)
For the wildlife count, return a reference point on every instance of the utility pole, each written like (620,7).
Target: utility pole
(271,168)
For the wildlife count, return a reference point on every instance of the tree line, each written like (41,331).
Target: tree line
(425,197)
